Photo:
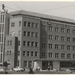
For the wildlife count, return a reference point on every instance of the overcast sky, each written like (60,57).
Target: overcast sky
(62,9)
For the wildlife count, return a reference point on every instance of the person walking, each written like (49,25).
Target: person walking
(31,71)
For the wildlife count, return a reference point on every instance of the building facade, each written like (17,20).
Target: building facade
(4,30)
(11,51)
(43,41)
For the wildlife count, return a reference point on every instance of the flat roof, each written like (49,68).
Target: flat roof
(23,12)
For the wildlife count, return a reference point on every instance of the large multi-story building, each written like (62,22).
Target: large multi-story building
(4,30)
(43,41)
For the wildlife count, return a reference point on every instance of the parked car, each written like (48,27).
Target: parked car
(17,69)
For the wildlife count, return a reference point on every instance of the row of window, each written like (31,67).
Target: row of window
(63,30)
(30,53)
(31,24)
(57,46)
(63,55)
(62,38)
(30,43)
(9,42)
(31,34)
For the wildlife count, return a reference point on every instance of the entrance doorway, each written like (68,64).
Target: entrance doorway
(47,65)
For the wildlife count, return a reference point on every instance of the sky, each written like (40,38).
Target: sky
(60,9)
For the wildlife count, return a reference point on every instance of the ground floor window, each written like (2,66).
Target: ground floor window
(67,64)
(29,63)
(25,63)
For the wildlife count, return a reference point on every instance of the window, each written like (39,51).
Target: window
(73,55)
(56,55)
(62,30)
(56,46)
(19,43)
(28,43)
(10,42)
(36,25)
(56,29)
(32,34)
(43,54)
(24,43)
(32,44)
(25,63)
(68,30)
(24,33)
(29,63)
(24,23)
(68,47)
(28,24)
(18,53)
(36,44)
(73,39)
(73,47)
(51,37)
(19,23)
(32,24)
(62,55)
(36,34)
(43,45)
(68,38)
(19,33)
(28,34)
(7,42)
(7,52)
(50,28)
(50,46)
(10,52)
(31,53)
(62,38)
(27,53)
(62,46)
(13,24)
(50,54)
(56,37)
(24,53)
(68,55)
(35,54)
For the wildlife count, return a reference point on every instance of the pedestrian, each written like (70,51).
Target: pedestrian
(31,71)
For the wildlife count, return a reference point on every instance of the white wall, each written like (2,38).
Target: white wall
(56,65)
(38,64)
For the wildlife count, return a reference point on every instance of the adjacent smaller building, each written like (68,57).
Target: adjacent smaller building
(11,51)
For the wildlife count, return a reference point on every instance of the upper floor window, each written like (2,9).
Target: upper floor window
(50,37)
(68,38)
(56,55)
(73,39)
(62,55)
(73,47)
(36,25)
(19,23)
(62,38)
(24,53)
(56,37)
(68,30)
(43,45)
(56,46)
(68,55)
(50,46)
(27,53)
(73,55)
(35,53)
(62,46)
(56,29)
(68,47)
(25,23)
(50,28)
(31,53)
(43,54)
(12,24)
(10,42)
(62,30)
(50,54)
(28,24)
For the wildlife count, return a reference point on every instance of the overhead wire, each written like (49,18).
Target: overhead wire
(57,8)
(16,5)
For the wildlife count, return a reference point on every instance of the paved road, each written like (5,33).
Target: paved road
(42,72)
